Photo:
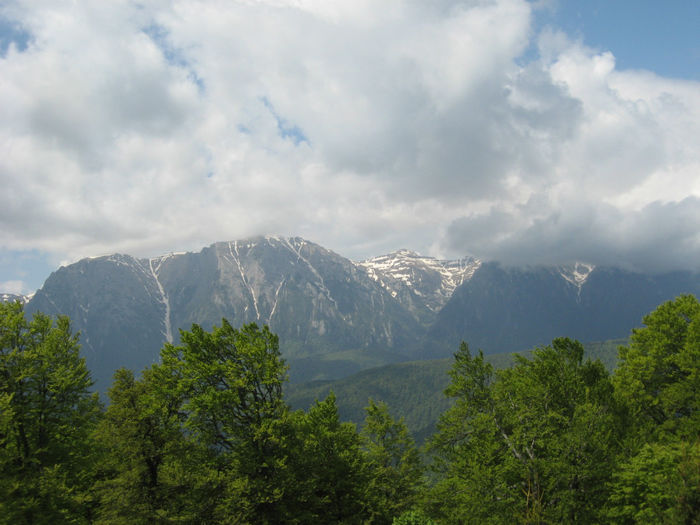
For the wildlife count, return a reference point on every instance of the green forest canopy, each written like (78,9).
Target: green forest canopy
(206,436)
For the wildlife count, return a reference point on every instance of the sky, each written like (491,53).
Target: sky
(540,132)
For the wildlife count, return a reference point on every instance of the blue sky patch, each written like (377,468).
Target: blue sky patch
(31,267)
(174,56)
(12,33)
(286,129)
(645,34)
(159,35)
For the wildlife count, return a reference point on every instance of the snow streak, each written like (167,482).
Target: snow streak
(237,260)
(274,306)
(163,298)
(300,257)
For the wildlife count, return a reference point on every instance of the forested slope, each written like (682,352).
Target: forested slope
(414,390)
(206,436)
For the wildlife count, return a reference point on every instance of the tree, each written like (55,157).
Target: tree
(658,378)
(657,383)
(330,470)
(660,484)
(531,443)
(46,419)
(230,385)
(395,464)
(466,450)
(148,472)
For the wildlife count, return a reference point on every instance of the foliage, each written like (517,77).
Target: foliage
(147,465)
(331,473)
(530,443)
(659,484)
(397,470)
(657,382)
(659,374)
(412,517)
(206,436)
(228,384)
(46,418)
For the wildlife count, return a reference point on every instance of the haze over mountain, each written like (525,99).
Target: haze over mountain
(335,316)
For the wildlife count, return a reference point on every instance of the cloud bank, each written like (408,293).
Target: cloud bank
(145,127)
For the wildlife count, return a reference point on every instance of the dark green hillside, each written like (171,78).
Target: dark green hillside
(336,365)
(413,390)
(606,351)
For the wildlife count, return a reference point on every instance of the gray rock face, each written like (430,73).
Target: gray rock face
(509,309)
(318,302)
(315,300)
(114,302)
(335,317)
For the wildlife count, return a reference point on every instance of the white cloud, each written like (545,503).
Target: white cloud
(624,183)
(159,126)
(13,287)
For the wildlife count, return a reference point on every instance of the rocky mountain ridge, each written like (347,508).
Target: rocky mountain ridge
(318,302)
(430,279)
(335,316)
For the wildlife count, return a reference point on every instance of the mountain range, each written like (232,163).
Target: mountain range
(334,316)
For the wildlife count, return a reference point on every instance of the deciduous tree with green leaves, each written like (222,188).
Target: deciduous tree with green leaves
(47,415)
(532,443)
(331,471)
(657,485)
(149,471)
(395,464)
(657,382)
(658,376)
(229,382)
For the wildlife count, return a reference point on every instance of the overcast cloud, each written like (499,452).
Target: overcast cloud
(148,127)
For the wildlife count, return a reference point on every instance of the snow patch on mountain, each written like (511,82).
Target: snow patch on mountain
(11,297)
(431,279)
(576,273)
(154,266)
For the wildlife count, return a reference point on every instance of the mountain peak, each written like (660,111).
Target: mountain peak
(431,279)
(404,252)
